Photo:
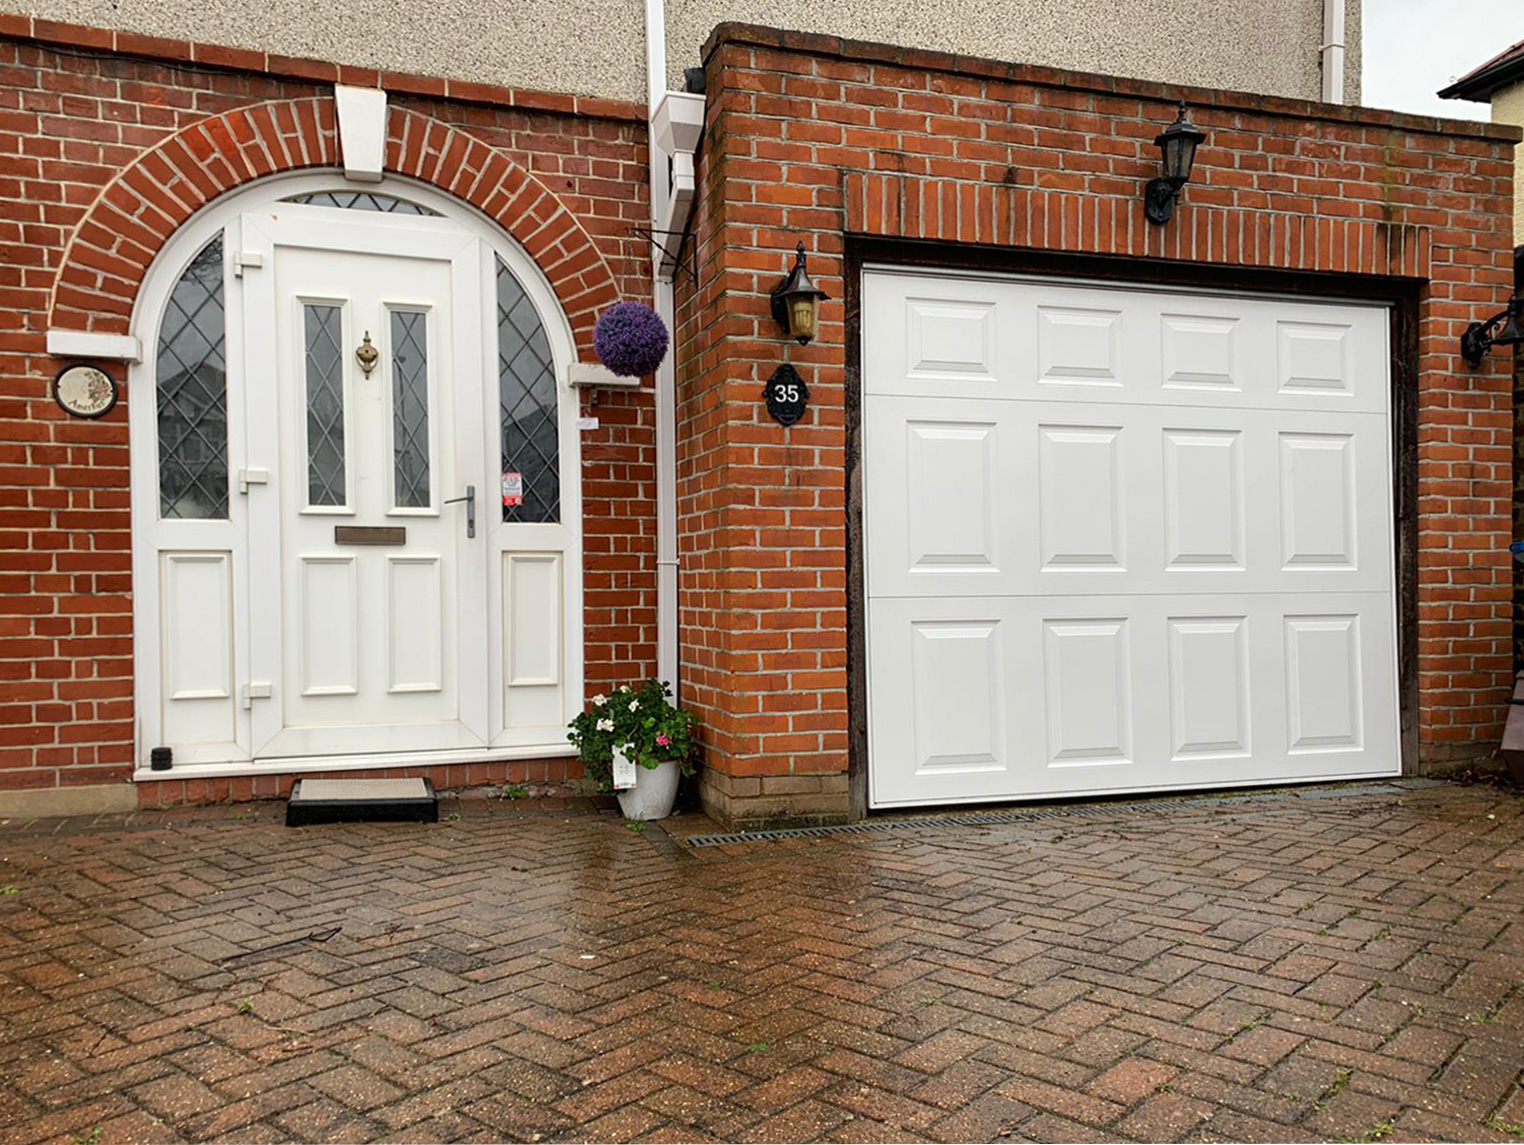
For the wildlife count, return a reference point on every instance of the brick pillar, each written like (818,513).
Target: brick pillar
(1518,475)
(761,506)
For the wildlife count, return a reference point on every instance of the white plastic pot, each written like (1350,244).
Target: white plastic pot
(654,793)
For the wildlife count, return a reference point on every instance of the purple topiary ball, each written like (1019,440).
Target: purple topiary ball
(631,339)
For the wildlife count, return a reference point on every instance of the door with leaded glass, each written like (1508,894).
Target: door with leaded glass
(309,590)
(363,353)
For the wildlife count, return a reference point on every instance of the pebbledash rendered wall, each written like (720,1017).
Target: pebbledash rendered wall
(853,147)
(108,141)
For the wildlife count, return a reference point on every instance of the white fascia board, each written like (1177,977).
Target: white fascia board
(362,131)
(101,347)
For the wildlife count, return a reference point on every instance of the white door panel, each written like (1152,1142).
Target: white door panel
(1122,540)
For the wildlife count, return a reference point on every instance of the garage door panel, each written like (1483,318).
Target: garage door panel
(958,669)
(1081,509)
(1088,691)
(1210,713)
(1205,514)
(1122,540)
(1037,342)
(950,495)
(1007,497)
(1125,693)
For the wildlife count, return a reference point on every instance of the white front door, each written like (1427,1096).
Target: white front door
(1121,540)
(368,570)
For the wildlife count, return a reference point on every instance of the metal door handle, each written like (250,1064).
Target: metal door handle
(470,500)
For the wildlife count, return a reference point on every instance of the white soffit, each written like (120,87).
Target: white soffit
(362,131)
(101,347)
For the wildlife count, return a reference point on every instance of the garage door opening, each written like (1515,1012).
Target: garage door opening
(1123,539)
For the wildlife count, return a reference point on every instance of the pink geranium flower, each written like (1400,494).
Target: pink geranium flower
(663,740)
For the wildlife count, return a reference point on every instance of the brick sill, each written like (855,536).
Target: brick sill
(297,765)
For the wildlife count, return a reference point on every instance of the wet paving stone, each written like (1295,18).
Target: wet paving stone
(1339,963)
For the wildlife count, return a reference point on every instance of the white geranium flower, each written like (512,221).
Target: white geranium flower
(624,687)
(634,705)
(599,700)
(605,725)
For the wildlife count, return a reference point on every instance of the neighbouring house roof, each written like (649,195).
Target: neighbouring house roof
(1504,70)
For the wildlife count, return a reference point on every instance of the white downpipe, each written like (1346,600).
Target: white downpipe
(1332,51)
(666,374)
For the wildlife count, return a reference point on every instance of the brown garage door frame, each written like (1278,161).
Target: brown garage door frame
(1401,293)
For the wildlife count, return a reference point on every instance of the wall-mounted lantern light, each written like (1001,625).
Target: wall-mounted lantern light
(1177,144)
(1505,328)
(796,302)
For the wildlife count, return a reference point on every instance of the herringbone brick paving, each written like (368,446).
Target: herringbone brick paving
(1293,968)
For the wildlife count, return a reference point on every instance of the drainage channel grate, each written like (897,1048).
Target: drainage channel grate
(985,818)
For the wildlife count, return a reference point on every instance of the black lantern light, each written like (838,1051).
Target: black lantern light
(1177,143)
(1505,328)
(796,302)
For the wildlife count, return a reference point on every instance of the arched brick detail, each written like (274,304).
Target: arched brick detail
(109,253)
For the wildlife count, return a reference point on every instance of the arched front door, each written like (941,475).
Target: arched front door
(356,509)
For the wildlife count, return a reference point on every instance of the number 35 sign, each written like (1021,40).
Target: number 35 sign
(786,395)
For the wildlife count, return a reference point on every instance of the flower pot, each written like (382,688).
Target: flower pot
(654,793)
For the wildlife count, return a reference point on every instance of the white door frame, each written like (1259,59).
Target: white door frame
(152,537)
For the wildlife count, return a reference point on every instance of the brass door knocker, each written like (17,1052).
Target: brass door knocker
(367,355)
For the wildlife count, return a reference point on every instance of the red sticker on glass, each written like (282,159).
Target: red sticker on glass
(513,490)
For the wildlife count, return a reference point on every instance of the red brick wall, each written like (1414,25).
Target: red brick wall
(814,139)
(93,177)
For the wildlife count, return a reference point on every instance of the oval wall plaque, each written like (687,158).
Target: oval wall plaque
(85,391)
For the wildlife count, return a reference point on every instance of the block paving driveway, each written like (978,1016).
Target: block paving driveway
(1330,964)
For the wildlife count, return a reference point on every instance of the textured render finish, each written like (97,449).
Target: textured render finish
(541,44)
(1269,47)
(1264,46)
(1508,107)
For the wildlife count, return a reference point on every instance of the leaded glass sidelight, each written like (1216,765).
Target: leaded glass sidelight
(410,408)
(323,345)
(527,400)
(191,377)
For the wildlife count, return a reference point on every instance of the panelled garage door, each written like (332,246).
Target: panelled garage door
(1121,540)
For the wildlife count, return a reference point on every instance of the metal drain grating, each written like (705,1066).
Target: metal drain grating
(1070,811)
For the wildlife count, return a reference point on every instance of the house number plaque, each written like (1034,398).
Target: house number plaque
(786,395)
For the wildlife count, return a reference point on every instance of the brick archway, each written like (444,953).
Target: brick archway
(110,251)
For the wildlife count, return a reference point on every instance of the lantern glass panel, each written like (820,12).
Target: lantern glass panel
(1179,154)
(801,316)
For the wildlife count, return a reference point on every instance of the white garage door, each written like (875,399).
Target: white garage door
(1121,540)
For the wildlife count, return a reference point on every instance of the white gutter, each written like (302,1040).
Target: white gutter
(666,374)
(1333,51)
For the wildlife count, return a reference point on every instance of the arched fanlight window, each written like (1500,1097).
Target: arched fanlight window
(361,201)
(192,382)
(527,400)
